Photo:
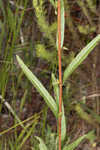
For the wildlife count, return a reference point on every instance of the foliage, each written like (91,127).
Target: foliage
(80,57)
(44,93)
(29,31)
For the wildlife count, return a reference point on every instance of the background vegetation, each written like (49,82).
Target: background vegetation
(29,29)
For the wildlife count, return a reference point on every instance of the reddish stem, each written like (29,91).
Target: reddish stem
(60,71)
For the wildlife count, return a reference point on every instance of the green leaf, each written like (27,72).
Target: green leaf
(80,57)
(73,145)
(55,84)
(63,124)
(42,146)
(53,3)
(38,85)
(84,115)
(62,24)
(63,121)
(94,115)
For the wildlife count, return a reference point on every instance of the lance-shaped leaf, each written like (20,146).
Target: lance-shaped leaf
(73,145)
(55,83)
(42,145)
(62,25)
(38,85)
(80,57)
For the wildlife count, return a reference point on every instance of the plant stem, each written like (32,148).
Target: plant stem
(60,71)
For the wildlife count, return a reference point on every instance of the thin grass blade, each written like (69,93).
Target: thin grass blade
(29,133)
(12,111)
(16,125)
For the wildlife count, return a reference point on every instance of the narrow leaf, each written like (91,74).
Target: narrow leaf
(53,3)
(94,115)
(80,57)
(63,124)
(62,25)
(38,85)
(55,84)
(63,121)
(42,146)
(73,145)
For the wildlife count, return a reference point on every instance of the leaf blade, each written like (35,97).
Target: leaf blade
(38,85)
(63,120)
(62,25)
(80,57)
(42,145)
(73,145)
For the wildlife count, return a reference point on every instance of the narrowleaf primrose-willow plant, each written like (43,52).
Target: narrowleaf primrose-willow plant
(56,104)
